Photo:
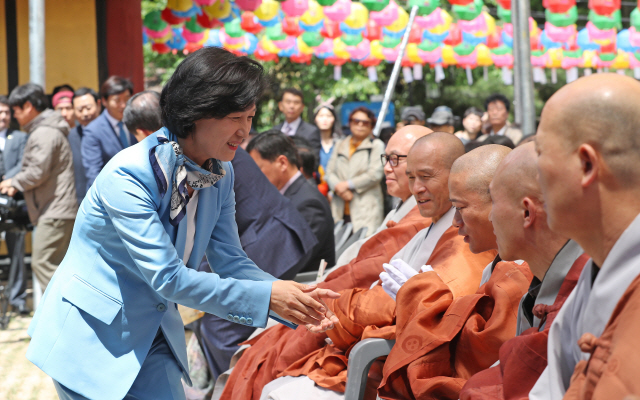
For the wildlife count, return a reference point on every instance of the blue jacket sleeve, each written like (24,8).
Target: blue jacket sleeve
(91,155)
(132,210)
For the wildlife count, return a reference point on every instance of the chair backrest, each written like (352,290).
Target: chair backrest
(360,234)
(338,227)
(362,355)
(344,235)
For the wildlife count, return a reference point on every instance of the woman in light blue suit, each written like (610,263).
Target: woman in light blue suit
(108,325)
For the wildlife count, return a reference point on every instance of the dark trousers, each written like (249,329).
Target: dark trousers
(15,247)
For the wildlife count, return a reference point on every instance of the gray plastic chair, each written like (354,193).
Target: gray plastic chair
(343,236)
(338,227)
(361,357)
(360,234)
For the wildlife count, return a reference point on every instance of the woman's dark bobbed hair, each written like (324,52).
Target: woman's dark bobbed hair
(209,83)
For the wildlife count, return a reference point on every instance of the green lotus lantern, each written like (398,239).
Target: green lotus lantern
(470,11)
(425,7)
(605,22)
(562,19)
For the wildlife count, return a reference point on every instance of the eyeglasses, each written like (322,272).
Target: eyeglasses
(364,122)
(393,159)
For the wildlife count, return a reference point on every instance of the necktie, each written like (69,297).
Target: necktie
(124,140)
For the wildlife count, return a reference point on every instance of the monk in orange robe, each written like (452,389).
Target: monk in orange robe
(520,224)
(442,341)
(364,310)
(588,163)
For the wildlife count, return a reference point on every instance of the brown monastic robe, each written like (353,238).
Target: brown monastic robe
(371,313)
(523,358)
(441,341)
(612,370)
(277,349)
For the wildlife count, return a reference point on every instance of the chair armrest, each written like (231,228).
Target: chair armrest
(362,356)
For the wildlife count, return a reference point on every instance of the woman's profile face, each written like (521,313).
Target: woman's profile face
(361,126)
(325,119)
(472,123)
(219,138)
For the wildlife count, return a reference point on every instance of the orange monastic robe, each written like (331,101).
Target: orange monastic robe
(612,371)
(523,358)
(441,341)
(279,347)
(371,313)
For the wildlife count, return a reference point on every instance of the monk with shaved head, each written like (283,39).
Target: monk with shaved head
(520,225)
(395,165)
(588,146)
(445,340)
(371,312)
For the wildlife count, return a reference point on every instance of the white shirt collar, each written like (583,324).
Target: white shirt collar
(288,184)
(291,128)
(3,133)
(502,131)
(114,122)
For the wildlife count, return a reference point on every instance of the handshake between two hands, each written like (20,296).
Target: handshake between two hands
(303,305)
(396,274)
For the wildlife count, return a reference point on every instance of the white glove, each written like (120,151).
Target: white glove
(395,275)
(426,268)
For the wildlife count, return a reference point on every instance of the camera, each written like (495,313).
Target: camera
(13,214)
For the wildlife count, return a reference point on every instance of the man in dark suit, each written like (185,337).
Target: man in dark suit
(87,107)
(292,106)
(266,222)
(107,135)
(12,144)
(277,157)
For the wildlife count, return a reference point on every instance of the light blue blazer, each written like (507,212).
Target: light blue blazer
(123,276)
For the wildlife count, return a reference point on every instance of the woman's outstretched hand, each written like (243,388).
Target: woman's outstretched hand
(303,305)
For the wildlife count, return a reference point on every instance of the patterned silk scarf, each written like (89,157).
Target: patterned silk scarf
(168,160)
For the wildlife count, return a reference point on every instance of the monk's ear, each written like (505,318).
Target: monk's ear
(282,162)
(529,210)
(590,161)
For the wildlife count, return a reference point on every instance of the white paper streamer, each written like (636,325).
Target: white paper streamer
(439,72)
(408,74)
(417,72)
(507,76)
(539,75)
(337,72)
(469,76)
(636,72)
(621,72)
(606,69)
(554,76)
(588,71)
(373,74)
(599,70)
(572,74)
(485,73)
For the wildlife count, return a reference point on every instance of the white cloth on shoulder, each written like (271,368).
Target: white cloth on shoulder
(297,387)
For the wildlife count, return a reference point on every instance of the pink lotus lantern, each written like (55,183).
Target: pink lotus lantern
(559,34)
(571,62)
(386,16)
(390,55)
(478,24)
(599,36)
(430,21)
(502,60)
(325,47)
(634,37)
(468,60)
(339,11)
(295,8)
(204,2)
(539,61)
(289,42)
(158,34)
(248,5)
(360,51)
(430,57)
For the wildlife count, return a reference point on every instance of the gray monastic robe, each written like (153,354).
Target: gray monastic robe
(587,310)
(550,286)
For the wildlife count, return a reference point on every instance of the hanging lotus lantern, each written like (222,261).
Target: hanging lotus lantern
(169,17)
(291,27)
(183,9)
(604,22)
(177,41)
(360,51)
(375,5)
(562,19)
(219,10)
(312,39)
(483,56)
(558,6)
(234,29)
(249,23)
(246,5)
(604,7)
(356,21)
(386,16)
(571,59)
(559,34)
(468,12)
(601,37)
(372,31)
(425,7)
(193,32)
(267,11)
(331,29)
(312,19)
(294,8)
(339,11)
(584,41)
(160,48)
(455,36)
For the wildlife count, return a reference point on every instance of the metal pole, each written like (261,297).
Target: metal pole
(394,74)
(517,73)
(36,42)
(521,34)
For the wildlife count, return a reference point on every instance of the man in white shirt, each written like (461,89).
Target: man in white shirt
(498,106)
(292,106)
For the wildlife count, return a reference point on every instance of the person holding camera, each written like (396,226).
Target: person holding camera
(12,143)
(45,177)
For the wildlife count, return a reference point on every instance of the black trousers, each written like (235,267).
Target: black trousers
(15,246)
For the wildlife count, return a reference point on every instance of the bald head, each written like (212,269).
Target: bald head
(518,174)
(479,166)
(447,147)
(399,145)
(604,110)
(469,182)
